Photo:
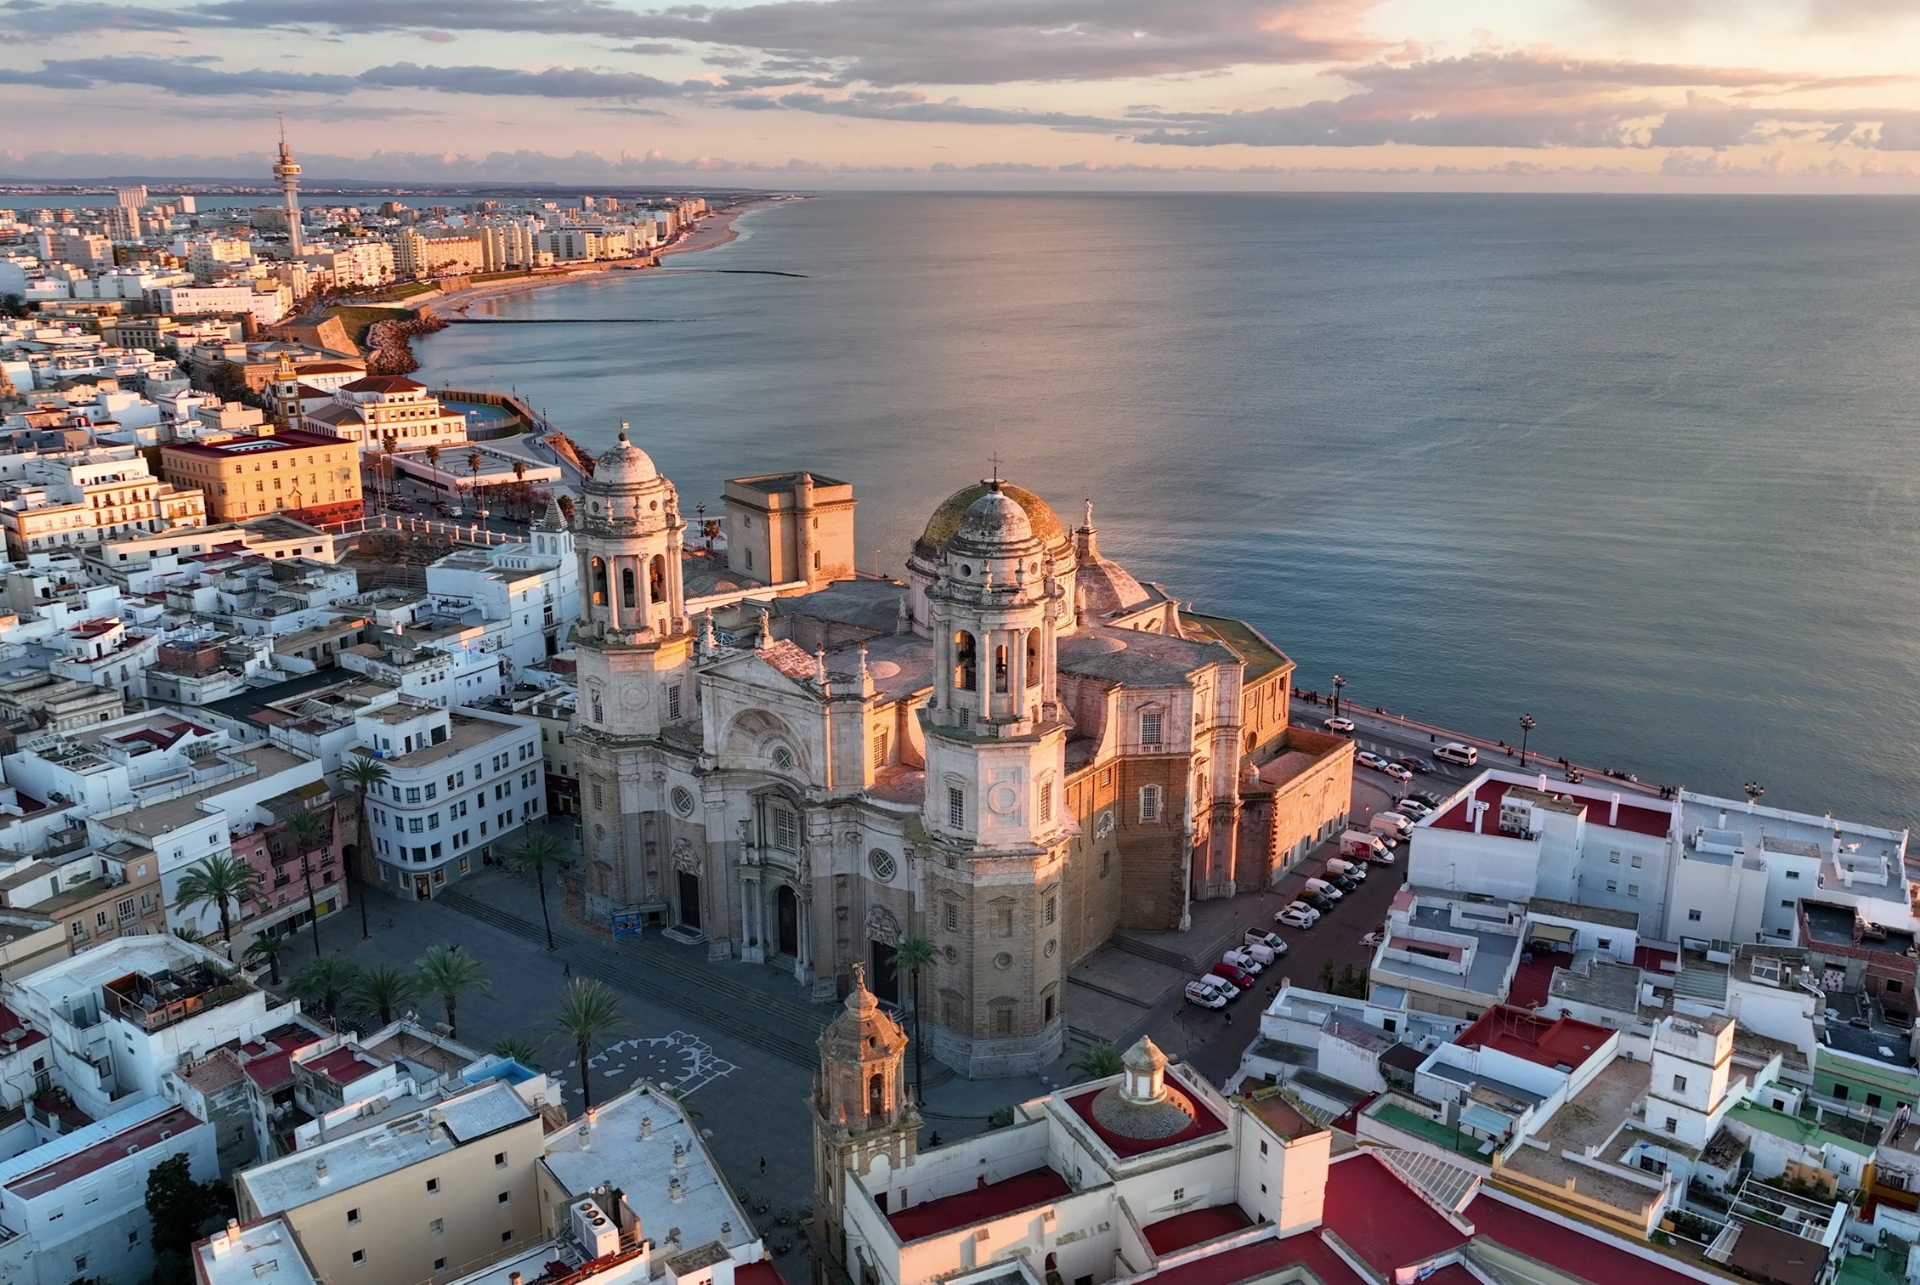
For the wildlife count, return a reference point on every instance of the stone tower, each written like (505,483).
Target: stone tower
(995,810)
(635,646)
(863,1112)
(286,392)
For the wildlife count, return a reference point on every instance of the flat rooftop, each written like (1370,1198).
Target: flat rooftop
(1546,1041)
(466,732)
(1497,953)
(1633,814)
(1798,833)
(111,1147)
(978,1204)
(1195,1227)
(265,1250)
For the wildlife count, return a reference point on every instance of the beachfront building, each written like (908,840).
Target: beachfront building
(309,477)
(416,255)
(1015,753)
(460,781)
(377,409)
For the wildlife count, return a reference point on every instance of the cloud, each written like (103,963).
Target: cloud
(649,48)
(906,105)
(187,78)
(554,82)
(1525,99)
(877,42)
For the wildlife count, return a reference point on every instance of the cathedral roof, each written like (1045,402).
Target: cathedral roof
(946,520)
(1107,587)
(624,465)
(994,522)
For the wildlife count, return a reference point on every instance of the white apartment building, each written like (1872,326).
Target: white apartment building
(89,497)
(373,408)
(267,302)
(74,1207)
(533,586)
(354,263)
(460,780)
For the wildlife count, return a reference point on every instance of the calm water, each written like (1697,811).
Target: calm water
(1643,467)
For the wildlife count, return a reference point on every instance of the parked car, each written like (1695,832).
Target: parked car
(1318,901)
(1338,724)
(1261,953)
(1245,960)
(1207,992)
(1272,941)
(1374,938)
(1413,808)
(1367,758)
(1390,825)
(1298,915)
(1414,764)
(1363,844)
(1322,888)
(1397,772)
(1354,870)
(1427,797)
(1455,752)
(1344,884)
(1234,975)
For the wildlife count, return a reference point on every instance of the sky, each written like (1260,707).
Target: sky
(1646,95)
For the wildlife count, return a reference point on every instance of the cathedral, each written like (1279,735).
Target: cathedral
(1013,754)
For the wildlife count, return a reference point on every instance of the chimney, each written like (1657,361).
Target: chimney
(1543,783)
(320,1169)
(679,1155)
(1613,811)
(513,1278)
(1723,818)
(676,1191)
(646,1127)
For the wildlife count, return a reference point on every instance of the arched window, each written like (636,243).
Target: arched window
(965,662)
(657,580)
(876,1095)
(599,583)
(1000,676)
(1033,657)
(629,591)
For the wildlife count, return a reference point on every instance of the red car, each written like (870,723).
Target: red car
(1240,977)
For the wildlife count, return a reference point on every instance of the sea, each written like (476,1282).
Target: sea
(1644,468)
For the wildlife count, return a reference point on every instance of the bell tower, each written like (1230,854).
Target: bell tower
(286,392)
(863,1112)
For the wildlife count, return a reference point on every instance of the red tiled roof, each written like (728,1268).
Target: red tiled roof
(1565,1248)
(1631,817)
(760,1273)
(271,1070)
(291,439)
(383,384)
(1548,1041)
(1204,1123)
(1260,1259)
(1195,1226)
(988,1200)
(344,1065)
(1533,979)
(103,1153)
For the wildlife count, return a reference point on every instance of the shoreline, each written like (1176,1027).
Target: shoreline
(711,232)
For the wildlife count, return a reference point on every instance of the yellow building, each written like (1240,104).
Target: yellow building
(307,477)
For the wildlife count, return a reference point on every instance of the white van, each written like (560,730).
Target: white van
(1455,752)
(1392,824)
(1351,869)
(1325,889)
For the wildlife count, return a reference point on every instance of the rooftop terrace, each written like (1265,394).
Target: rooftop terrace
(980,1204)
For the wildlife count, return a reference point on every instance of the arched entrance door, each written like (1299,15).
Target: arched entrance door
(882,977)
(689,899)
(787,918)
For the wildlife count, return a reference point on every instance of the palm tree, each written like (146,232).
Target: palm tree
(222,881)
(309,832)
(521,1051)
(914,954)
(539,853)
(588,1011)
(323,981)
(520,478)
(269,948)
(364,772)
(187,932)
(479,500)
(449,972)
(385,988)
(1099,1061)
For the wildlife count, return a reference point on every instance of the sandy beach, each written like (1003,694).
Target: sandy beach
(714,230)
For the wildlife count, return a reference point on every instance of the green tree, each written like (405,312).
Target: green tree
(324,981)
(310,832)
(540,852)
(187,932)
(1098,1061)
(588,1012)
(221,881)
(181,1209)
(268,949)
(385,988)
(521,1051)
(365,772)
(451,973)
(914,954)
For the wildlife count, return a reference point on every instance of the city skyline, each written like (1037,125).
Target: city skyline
(1238,94)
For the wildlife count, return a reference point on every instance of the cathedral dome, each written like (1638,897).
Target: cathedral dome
(946,520)
(994,521)
(861,1031)
(1143,1105)
(624,465)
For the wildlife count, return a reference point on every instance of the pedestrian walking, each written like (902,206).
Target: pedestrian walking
(763,1166)
(1229,1017)
(934,1141)
(566,968)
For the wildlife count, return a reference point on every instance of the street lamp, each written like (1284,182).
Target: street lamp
(1753,791)
(1338,683)
(1526,728)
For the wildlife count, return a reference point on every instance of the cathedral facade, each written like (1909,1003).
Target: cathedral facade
(1013,753)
